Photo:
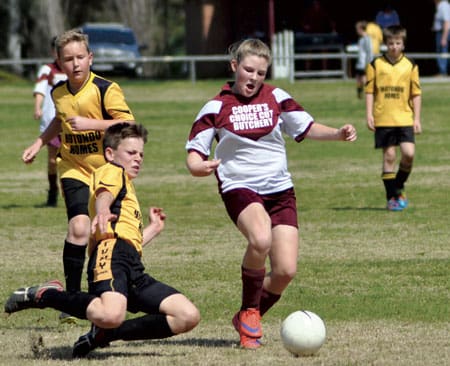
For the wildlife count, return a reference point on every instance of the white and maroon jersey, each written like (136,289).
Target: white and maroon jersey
(48,76)
(249,134)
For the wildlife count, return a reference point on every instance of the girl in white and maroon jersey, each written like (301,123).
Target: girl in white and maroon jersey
(248,119)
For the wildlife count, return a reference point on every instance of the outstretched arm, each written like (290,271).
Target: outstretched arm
(156,216)
(53,129)
(319,131)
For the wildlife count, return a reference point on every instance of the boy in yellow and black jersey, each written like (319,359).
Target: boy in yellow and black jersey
(393,106)
(116,276)
(86,105)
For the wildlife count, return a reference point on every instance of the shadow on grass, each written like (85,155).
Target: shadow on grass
(42,352)
(359,209)
(13,206)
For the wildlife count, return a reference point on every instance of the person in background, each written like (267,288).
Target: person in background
(44,110)
(375,33)
(441,27)
(248,119)
(365,56)
(387,16)
(393,107)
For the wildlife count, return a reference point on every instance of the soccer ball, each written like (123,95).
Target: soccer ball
(303,333)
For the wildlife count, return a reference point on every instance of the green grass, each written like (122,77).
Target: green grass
(378,279)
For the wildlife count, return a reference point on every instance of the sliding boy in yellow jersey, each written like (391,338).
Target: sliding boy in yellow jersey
(116,276)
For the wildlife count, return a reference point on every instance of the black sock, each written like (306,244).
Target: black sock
(389,185)
(73,261)
(52,182)
(73,303)
(402,176)
(151,326)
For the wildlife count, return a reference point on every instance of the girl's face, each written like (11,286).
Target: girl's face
(395,47)
(250,74)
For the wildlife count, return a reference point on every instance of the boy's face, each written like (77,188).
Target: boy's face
(395,46)
(76,62)
(129,155)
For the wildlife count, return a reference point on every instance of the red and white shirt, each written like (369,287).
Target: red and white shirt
(249,135)
(48,76)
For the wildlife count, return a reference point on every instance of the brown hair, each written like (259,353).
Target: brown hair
(117,132)
(394,31)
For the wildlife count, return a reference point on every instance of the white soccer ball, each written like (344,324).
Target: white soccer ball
(303,333)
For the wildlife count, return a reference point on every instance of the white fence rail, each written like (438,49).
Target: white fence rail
(283,64)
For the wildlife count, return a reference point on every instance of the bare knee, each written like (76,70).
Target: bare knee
(188,319)
(109,320)
(261,243)
(280,279)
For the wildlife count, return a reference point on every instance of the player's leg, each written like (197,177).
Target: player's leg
(76,196)
(283,261)
(50,295)
(388,177)
(182,315)
(168,313)
(407,150)
(255,224)
(109,280)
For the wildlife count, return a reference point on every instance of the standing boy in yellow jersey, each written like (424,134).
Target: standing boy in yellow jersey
(86,105)
(117,281)
(393,106)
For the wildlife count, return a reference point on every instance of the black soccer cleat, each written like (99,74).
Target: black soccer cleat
(28,297)
(89,341)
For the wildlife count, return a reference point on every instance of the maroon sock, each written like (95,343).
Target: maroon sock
(268,299)
(252,284)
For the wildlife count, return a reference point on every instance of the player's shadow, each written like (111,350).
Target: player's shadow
(13,206)
(64,353)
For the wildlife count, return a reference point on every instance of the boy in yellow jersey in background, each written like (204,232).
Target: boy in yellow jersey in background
(117,281)
(86,105)
(375,33)
(393,106)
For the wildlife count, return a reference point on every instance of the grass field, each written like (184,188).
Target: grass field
(380,280)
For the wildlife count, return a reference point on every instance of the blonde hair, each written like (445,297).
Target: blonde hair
(73,35)
(252,46)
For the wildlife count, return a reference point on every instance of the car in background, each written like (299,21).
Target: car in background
(113,41)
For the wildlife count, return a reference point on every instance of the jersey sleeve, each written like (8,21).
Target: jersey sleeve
(203,130)
(370,76)
(115,104)
(40,87)
(110,178)
(295,120)
(415,83)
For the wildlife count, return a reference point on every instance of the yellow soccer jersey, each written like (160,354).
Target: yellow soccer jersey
(393,86)
(376,35)
(129,224)
(81,152)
